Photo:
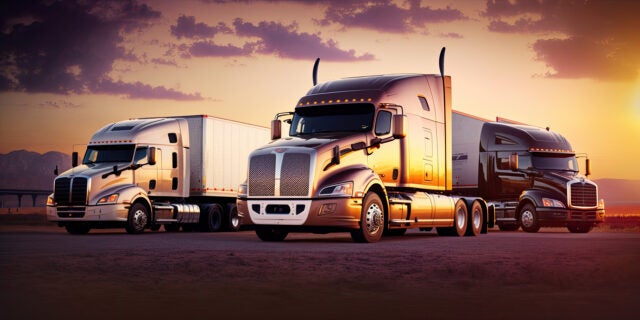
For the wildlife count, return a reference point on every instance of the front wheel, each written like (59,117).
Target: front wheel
(371,220)
(137,219)
(529,218)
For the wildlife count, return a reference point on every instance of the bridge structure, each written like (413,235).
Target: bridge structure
(25,192)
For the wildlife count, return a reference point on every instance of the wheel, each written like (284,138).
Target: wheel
(77,228)
(508,226)
(211,218)
(580,227)
(233,220)
(270,234)
(137,219)
(476,219)
(460,220)
(174,227)
(371,220)
(529,218)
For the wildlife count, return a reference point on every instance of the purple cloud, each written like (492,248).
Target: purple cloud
(139,90)
(187,27)
(70,46)
(286,42)
(210,49)
(599,38)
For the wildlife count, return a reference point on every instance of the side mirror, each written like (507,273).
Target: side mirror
(399,126)
(513,162)
(151,156)
(587,165)
(276,129)
(74,159)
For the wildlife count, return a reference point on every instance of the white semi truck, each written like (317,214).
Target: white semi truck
(180,171)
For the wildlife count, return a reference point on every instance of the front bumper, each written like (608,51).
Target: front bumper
(561,217)
(330,213)
(107,212)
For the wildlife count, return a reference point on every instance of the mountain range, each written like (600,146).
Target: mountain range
(23,169)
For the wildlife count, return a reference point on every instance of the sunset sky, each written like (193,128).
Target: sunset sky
(70,67)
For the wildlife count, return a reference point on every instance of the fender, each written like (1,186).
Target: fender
(535,197)
(127,194)
(363,179)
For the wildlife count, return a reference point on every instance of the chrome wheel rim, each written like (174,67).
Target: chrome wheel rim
(527,218)
(139,219)
(477,219)
(374,217)
(460,215)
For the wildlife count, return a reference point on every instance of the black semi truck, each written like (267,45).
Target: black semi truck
(529,174)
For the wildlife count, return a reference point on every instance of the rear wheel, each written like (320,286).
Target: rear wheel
(137,219)
(371,220)
(580,227)
(529,218)
(77,228)
(211,218)
(271,234)
(476,219)
(460,221)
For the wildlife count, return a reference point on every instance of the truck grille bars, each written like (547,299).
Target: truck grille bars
(583,195)
(70,191)
(280,174)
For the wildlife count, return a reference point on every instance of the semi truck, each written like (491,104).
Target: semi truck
(367,155)
(529,174)
(137,174)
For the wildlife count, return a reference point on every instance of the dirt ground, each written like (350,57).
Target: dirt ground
(107,274)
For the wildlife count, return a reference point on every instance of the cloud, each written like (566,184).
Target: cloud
(286,42)
(60,104)
(579,39)
(67,47)
(210,49)
(187,27)
(139,90)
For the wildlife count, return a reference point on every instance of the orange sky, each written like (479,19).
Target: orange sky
(69,68)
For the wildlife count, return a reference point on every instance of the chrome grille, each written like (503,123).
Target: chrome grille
(262,175)
(70,191)
(294,175)
(583,195)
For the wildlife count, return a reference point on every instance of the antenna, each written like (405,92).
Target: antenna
(315,71)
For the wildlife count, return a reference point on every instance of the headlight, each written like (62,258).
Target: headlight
(338,190)
(50,201)
(242,190)
(547,202)
(112,198)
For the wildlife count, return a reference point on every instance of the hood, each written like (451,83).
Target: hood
(90,170)
(317,141)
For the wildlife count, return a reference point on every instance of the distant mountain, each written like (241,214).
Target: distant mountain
(619,191)
(31,170)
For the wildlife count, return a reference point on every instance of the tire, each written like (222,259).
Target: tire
(138,218)
(528,218)
(476,219)
(508,226)
(580,227)
(233,219)
(460,221)
(270,234)
(211,218)
(77,228)
(371,220)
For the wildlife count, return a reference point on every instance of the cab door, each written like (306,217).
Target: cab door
(146,176)
(385,163)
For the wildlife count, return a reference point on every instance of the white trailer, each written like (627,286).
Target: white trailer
(180,171)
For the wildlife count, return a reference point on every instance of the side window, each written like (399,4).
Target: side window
(141,155)
(502,161)
(174,159)
(383,124)
(173,138)
(424,103)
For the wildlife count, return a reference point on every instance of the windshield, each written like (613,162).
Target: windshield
(333,118)
(109,153)
(555,162)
